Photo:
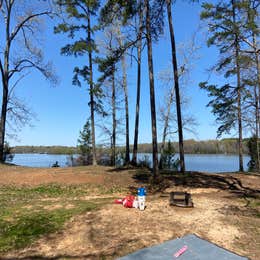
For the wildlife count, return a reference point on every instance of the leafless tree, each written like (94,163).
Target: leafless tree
(167,113)
(21,23)
(120,39)
(112,87)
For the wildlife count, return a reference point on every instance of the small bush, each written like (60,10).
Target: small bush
(253,164)
(8,155)
(144,162)
(120,158)
(168,160)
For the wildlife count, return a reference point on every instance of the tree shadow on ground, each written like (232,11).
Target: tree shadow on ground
(197,180)
(128,168)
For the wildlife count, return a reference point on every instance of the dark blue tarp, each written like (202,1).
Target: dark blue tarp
(198,249)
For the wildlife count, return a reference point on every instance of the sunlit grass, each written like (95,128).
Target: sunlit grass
(28,213)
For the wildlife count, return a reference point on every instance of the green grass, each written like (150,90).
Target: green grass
(52,190)
(28,213)
(56,190)
(255,205)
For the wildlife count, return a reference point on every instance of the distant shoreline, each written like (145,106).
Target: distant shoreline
(225,146)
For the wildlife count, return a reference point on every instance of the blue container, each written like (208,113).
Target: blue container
(141,191)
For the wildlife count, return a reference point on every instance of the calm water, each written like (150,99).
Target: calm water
(194,162)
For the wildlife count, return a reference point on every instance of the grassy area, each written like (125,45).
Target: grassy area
(27,213)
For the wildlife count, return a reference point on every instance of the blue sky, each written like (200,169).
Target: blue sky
(61,111)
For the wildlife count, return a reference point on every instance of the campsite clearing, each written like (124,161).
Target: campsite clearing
(68,213)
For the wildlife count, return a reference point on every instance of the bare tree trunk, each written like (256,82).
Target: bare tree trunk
(127,148)
(3,119)
(114,120)
(257,101)
(5,82)
(152,95)
(91,93)
(123,61)
(176,84)
(257,126)
(138,89)
(166,125)
(240,142)
(239,113)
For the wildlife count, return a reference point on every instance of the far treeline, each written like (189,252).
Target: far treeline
(225,146)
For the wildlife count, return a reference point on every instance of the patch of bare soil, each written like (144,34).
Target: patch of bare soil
(219,215)
(20,176)
(249,180)
(58,206)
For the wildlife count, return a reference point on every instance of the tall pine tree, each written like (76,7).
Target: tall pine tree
(79,28)
(224,27)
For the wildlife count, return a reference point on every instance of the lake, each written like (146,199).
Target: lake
(194,162)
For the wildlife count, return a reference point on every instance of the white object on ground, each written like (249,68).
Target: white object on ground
(141,202)
(136,204)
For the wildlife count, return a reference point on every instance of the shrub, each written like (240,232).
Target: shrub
(144,162)
(253,164)
(8,155)
(168,160)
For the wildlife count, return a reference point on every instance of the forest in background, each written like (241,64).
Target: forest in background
(225,146)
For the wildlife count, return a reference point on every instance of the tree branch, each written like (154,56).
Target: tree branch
(249,43)
(30,65)
(15,84)
(252,51)
(2,10)
(83,8)
(21,24)
(17,69)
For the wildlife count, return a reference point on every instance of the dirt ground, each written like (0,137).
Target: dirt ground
(226,212)
(11,175)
